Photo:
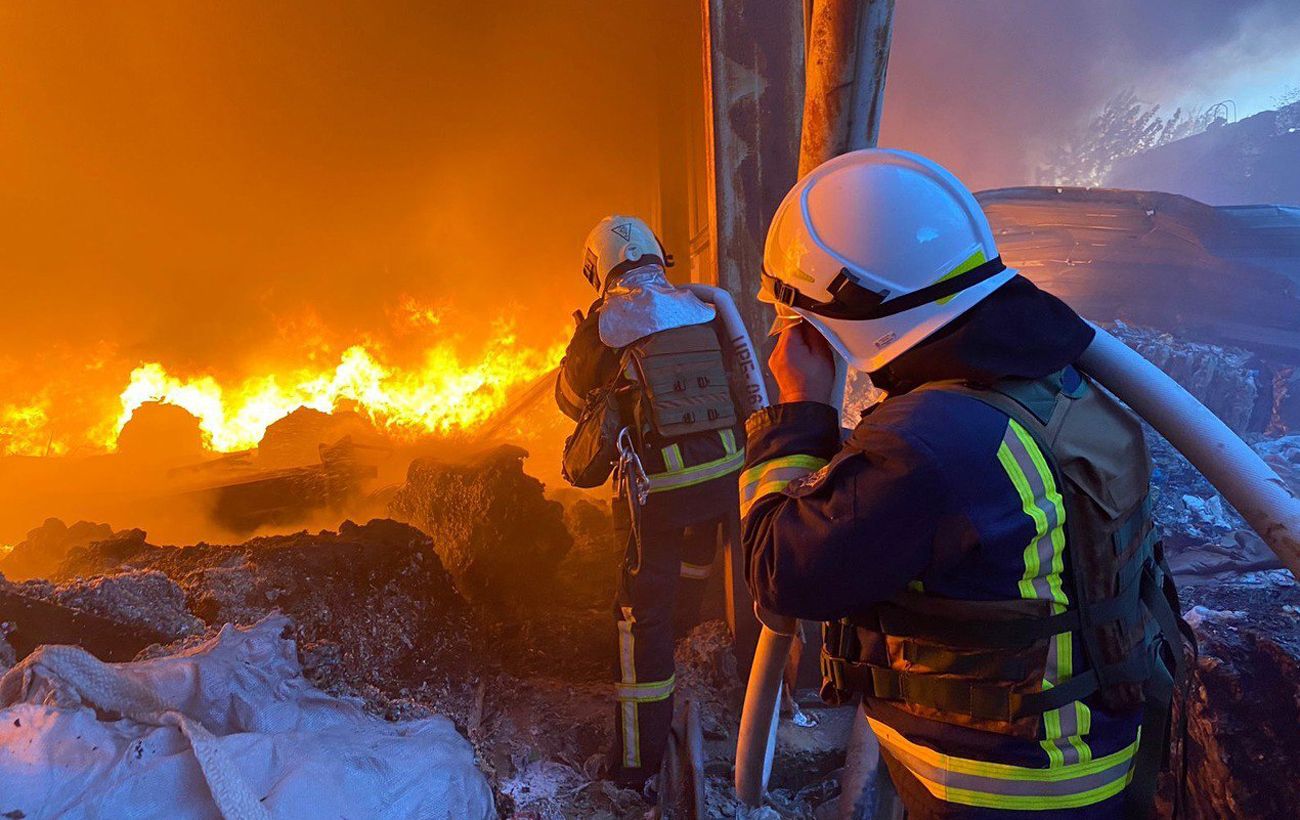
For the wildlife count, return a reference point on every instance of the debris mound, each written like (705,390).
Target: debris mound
(492,525)
(1243,709)
(372,605)
(46,546)
(1233,383)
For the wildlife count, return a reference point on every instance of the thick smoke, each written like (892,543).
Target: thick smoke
(242,189)
(220,187)
(988,86)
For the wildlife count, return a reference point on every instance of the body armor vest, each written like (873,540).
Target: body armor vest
(683,378)
(982,664)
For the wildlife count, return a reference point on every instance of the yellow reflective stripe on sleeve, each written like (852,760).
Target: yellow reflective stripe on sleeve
(1044,558)
(773,476)
(1002,786)
(700,473)
(695,572)
(645,692)
(673,458)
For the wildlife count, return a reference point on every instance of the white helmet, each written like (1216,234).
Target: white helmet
(619,243)
(878,249)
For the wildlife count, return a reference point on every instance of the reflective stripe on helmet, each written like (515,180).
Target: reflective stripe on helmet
(773,476)
(1002,786)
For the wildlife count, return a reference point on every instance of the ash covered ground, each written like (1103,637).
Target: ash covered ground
(484,598)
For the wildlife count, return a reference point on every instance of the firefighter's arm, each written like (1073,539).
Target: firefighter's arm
(827,530)
(588,364)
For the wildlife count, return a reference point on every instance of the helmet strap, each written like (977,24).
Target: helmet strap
(851,301)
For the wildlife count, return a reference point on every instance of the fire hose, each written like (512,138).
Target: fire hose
(1229,464)
(756,743)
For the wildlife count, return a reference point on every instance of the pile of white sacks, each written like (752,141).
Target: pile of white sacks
(229,729)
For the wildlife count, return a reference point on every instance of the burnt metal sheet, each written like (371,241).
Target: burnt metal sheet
(1162,260)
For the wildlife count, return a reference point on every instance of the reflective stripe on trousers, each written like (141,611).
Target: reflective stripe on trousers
(696,572)
(679,476)
(627,709)
(1001,786)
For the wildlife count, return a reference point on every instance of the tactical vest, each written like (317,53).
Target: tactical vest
(984,664)
(684,385)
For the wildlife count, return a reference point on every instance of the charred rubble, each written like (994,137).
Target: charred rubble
(489,602)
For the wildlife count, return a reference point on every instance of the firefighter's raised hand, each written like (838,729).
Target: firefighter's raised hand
(803,365)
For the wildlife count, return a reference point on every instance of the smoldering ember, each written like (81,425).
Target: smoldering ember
(930,453)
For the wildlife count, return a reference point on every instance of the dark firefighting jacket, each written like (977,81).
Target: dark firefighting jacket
(692,476)
(945,496)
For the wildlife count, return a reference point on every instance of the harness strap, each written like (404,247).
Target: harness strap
(1158,691)
(897,621)
(998,703)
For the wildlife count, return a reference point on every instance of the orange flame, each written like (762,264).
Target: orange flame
(442,395)
(23,430)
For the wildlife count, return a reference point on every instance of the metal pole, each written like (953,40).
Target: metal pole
(847,52)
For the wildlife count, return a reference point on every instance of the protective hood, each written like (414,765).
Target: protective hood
(1018,331)
(641,302)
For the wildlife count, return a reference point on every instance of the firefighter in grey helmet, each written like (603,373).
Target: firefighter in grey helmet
(646,365)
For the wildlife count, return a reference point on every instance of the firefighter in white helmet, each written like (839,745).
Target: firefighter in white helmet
(646,377)
(981,548)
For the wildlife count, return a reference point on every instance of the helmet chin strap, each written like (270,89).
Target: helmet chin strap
(851,301)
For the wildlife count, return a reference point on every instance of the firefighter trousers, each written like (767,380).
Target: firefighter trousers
(660,591)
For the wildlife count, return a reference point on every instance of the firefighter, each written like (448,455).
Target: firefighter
(658,351)
(981,547)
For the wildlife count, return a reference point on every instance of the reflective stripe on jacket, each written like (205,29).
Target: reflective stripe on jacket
(942,494)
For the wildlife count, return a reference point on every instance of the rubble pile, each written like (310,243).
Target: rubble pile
(372,605)
(1286,402)
(298,438)
(491,524)
(1243,705)
(1233,383)
(45,546)
(489,603)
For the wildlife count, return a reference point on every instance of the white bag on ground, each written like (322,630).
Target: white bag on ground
(228,729)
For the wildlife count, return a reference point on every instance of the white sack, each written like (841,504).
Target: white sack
(228,729)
